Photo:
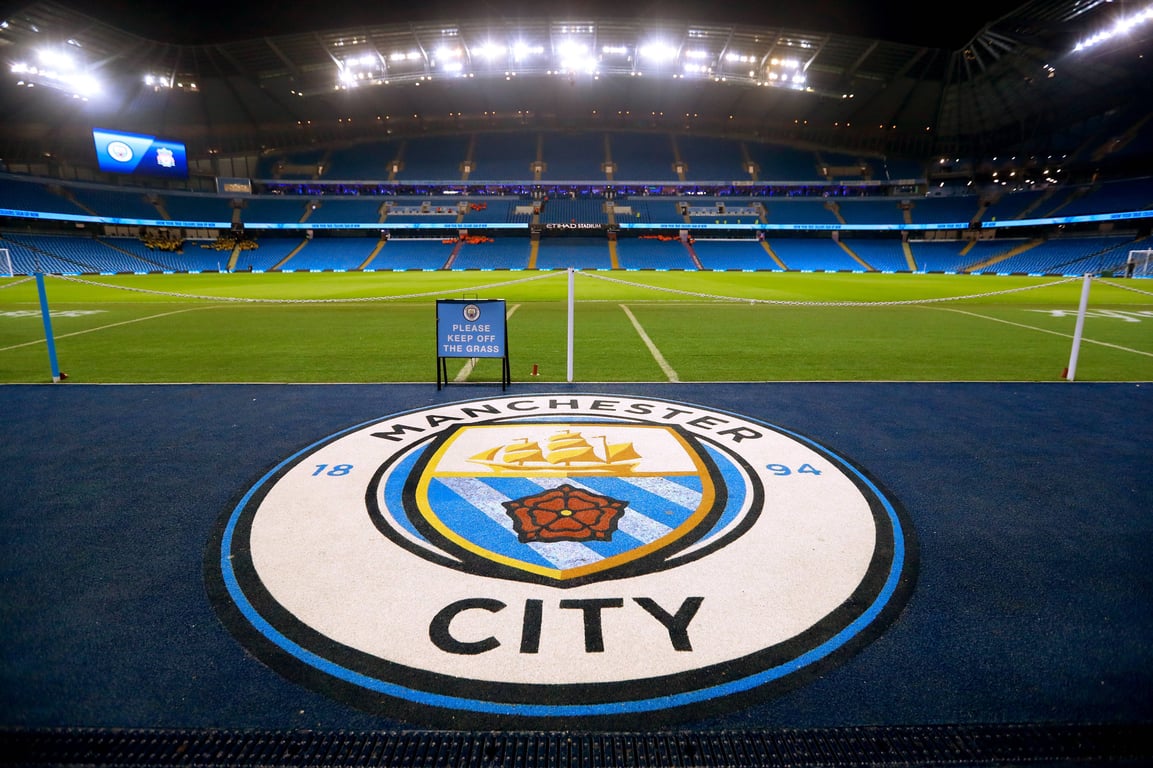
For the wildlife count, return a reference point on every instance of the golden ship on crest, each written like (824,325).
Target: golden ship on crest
(566,451)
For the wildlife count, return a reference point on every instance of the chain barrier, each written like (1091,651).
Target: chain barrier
(798,303)
(18,282)
(366,299)
(606,278)
(1124,287)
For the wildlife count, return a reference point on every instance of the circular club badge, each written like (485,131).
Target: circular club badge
(557,556)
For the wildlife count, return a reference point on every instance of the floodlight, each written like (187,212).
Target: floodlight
(85,85)
(54,58)
(490,51)
(567,48)
(658,52)
(522,50)
(1122,27)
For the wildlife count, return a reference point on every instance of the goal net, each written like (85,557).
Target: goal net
(1139,263)
(6,263)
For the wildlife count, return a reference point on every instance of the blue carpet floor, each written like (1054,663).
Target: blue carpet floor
(1032,507)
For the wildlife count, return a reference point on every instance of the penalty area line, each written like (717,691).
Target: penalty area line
(1084,340)
(470,364)
(656,353)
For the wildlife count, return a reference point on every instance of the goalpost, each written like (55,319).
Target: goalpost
(6,263)
(1139,263)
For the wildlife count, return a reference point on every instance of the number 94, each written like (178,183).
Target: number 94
(780,470)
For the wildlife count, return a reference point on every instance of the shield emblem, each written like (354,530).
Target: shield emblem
(564,503)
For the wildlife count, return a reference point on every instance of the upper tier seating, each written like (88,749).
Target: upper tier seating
(574,157)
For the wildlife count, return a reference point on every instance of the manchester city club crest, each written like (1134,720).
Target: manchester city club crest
(563,503)
(535,559)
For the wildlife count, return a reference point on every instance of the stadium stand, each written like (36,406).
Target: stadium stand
(333,254)
(343,210)
(582,205)
(800,211)
(364,161)
(943,210)
(882,254)
(497,254)
(67,255)
(710,159)
(643,157)
(404,254)
(871,211)
(198,207)
(574,156)
(493,210)
(25,195)
(736,255)
(502,157)
(590,180)
(1124,195)
(653,253)
(783,163)
(559,210)
(269,252)
(114,203)
(274,210)
(576,252)
(814,255)
(434,157)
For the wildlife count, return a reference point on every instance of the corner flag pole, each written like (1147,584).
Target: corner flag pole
(1079,328)
(571,272)
(48,335)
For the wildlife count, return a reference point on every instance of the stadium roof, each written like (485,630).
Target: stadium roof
(1015,81)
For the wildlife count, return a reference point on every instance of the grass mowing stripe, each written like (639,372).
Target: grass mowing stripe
(664,364)
(1084,339)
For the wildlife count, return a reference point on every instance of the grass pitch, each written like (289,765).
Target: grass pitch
(634,326)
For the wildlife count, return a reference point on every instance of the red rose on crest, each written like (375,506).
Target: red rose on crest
(565,513)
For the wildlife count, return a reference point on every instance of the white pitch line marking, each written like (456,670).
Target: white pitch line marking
(104,327)
(1046,330)
(470,364)
(656,353)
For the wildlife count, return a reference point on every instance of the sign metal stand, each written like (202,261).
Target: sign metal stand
(472,328)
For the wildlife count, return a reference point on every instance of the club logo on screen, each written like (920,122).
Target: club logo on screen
(542,558)
(120,152)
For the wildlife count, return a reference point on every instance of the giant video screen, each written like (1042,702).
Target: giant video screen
(139,155)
